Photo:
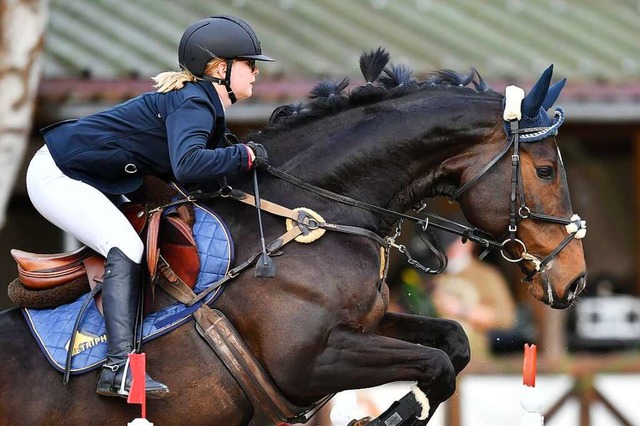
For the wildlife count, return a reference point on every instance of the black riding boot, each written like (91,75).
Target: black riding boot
(120,297)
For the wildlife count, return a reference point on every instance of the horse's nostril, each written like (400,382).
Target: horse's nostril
(575,288)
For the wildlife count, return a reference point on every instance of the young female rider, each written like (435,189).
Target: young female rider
(175,133)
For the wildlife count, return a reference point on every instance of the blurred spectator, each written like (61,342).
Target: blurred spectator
(410,293)
(474,293)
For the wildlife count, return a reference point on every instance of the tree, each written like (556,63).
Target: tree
(22,28)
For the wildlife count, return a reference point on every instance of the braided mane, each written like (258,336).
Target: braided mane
(382,81)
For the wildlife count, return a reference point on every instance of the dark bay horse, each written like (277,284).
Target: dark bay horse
(321,325)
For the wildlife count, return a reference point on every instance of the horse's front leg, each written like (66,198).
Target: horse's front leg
(443,334)
(353,359)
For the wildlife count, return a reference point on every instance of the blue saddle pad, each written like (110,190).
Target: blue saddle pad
(52,328)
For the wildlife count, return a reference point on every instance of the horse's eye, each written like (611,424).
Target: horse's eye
(545,172)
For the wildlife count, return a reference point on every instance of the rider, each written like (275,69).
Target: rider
(175,133)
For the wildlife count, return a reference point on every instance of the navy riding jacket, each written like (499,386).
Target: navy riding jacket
(176,135)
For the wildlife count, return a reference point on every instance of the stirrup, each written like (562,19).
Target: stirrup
(121,389)
(107,380)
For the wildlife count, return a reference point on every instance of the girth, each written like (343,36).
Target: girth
(228,345)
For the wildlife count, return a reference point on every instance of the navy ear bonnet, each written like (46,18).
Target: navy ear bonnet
(535,123)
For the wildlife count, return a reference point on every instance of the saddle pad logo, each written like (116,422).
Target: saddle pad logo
(84,342)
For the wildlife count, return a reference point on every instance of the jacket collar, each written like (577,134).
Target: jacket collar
(213,97)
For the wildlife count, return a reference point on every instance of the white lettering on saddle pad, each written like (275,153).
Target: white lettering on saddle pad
(84,342)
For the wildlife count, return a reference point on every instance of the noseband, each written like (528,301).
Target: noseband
(575,226)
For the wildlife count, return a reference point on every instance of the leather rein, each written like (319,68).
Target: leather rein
(431,219)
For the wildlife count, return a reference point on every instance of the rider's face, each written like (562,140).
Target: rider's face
(243,75)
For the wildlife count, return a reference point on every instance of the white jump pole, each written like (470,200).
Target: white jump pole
(529,397)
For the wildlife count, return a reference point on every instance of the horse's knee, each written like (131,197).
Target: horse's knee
(443,377)
(458,347)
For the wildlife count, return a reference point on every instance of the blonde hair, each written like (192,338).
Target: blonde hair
(174,80)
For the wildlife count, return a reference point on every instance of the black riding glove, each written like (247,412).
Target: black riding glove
(262,159)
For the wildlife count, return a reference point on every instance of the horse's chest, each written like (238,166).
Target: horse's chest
(367,309)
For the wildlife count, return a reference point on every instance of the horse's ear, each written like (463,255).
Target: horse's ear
(533,101)
(553,93)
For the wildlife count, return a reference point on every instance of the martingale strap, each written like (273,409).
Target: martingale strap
(225,341)
(271,248)
(307,222)
(218,332)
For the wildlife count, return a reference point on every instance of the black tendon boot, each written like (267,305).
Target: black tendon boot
(120,297)
(413,408)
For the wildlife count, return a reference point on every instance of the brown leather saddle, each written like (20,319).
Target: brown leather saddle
(170,247)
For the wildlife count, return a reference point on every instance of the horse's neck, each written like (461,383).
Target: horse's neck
(391,159)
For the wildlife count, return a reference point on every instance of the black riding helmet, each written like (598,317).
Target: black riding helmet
(225,37)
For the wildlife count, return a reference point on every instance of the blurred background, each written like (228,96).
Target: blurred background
(63,59)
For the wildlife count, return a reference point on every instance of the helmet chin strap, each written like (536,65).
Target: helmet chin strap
(226,82)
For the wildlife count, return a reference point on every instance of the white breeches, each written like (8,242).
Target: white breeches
(80,209)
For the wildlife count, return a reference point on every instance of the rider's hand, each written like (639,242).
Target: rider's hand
(261,160)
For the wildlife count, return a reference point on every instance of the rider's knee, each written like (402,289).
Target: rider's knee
(133,248)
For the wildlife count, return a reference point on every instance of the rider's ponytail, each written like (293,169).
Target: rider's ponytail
(173,80)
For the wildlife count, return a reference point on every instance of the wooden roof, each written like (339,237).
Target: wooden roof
(102,51)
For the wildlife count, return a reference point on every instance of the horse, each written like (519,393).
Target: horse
(321,325)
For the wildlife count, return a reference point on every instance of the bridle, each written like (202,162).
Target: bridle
(575,226)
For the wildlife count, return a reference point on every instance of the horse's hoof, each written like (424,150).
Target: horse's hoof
(363,421)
